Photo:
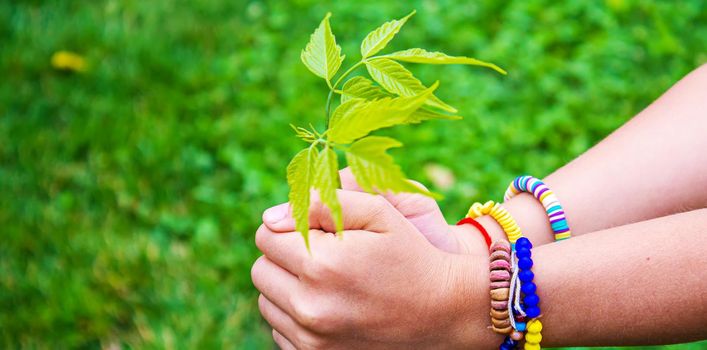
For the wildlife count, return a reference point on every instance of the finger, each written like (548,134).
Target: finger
(287,249)
(362,211)
(278,319)
(274,282)
(348,180)
(413,206)
(281,341)
(422,211)
(277,213)
(282,213)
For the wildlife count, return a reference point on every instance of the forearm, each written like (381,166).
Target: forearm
(631,285)
(654,165)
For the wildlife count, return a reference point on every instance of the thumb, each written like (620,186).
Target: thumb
(420,210)
(362,211)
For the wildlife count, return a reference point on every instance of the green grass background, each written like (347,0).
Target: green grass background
(129,195)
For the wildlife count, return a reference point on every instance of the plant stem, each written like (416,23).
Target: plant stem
(348,72)
(332,89)
(328,107)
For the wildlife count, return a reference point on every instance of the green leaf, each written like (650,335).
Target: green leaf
(393,77)
(363,88)
(300,177)
(326,181)
(379,38)
(322,55)
(362,117)
(422,56)
(424,113)
(360,87)
(344,109)
(375,170)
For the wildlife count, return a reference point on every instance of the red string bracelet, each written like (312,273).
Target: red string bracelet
(478,226)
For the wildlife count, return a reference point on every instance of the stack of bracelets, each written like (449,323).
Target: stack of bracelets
(511,263)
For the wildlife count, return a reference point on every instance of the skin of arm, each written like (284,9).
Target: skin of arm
(637,284)
(384,286)
(654,165)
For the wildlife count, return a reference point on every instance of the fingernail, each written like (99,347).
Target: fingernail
(275,213)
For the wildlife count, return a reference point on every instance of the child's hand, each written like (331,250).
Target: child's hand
(421,211)
(357,292)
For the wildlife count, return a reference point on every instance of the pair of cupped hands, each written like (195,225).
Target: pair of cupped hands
(400,277)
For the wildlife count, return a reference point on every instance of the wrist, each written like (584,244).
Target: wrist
(528,213)
(470,240)
(470,303)
(531,217)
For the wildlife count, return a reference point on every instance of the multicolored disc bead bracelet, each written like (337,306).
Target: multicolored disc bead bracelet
(549,200)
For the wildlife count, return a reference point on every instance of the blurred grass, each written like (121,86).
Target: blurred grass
(130,193)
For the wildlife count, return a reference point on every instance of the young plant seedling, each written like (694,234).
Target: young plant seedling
(394,97)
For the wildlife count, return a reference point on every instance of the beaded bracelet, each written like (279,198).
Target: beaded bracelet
(547,197)
(531,301)
(501,215)
(522,281)
(500,277)
(478,226)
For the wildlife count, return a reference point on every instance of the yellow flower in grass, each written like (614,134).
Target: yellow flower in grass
(66,60)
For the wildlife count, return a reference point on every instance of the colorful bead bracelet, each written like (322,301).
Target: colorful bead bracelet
(510,268)
(531,301)
(522,283)
(510,274)
(500,214)
(534,186)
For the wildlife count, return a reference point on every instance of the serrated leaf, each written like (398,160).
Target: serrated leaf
(366,116)
(344,109)
(326,182)
(423,56)
(393,77)
(360,87)
(322,55)
(379,38)
(375,170)
(424,113)
(300,178)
